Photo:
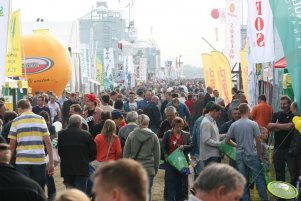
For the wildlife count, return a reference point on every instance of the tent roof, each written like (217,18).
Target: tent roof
(281,63)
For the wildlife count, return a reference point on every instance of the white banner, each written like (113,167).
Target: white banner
(233,35)
(143,69)
(260,32)
(4,18)
(252,84)
(108,61)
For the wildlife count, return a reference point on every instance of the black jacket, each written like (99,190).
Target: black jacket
(152,111)
(14,186)
(76,148)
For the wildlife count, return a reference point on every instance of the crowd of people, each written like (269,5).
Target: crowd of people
(112,145)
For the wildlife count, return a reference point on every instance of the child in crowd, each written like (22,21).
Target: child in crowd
(264,134)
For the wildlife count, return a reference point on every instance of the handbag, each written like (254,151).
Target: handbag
(97,164)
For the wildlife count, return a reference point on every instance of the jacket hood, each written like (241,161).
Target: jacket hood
(143,134)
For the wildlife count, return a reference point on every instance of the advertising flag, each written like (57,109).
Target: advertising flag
(233,35)
(108,61)
(4,18)
(143,69)
(221,63)
(14,53)
(260,31)
(244,72)
(210,72)
(287,18)
(99,69)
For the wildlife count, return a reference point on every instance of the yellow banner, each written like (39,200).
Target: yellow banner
(221,63)
(14,53)
(99,69)
(210,73)
(244,72)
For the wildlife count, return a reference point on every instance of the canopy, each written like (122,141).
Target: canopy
(281,63)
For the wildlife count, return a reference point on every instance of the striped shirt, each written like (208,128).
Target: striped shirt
(28,130)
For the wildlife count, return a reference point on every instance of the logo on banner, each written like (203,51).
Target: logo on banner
(259,25)
(36,65)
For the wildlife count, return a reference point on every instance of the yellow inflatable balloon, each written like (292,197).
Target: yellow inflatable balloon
(295,119)
(46,63)
(298,125)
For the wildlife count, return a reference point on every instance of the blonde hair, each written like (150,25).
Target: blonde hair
(72,195)
(143,120)
(109,129)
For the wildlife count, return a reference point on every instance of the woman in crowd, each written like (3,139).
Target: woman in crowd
(108,144)
(143,146)
(7,121)
(173,139)
(104,116)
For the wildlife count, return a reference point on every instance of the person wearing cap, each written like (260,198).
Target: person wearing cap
(118,118)
(93,113)
(210,138)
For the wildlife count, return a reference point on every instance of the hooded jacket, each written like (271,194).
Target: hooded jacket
(149,155)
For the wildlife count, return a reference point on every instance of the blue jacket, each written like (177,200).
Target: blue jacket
(196,137)
(182,110)
(126,106)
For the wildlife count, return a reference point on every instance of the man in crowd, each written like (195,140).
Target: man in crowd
(167,100)
(77,109)
(130,182)
(113,96)
(198,107)
(2,109)
(13,184)
(218,182)
(262,112)
(55,109)
(41,106)
(105,103)
(182,109)
(153,112)
(118,118)
(27,135)
(148,98)
(216,97)
(248,155)
(62,99)
(131,119)
(210,138)
(131,104)
(76,148)
(283,131)
(93,113)
(66,108)
(208,95)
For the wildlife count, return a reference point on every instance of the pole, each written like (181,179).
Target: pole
(204,39)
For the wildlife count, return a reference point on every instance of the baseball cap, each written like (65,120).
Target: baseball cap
(116,114)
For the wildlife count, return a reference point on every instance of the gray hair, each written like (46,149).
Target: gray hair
(75,121)
(132,116)
(143,120)
(218,175)
(170,109)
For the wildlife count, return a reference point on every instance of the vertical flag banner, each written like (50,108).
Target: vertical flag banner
(244,72)
(221,63)
(233,35)
(260,31)
(142,69)
(108,61)
(287,18)
(14,53)
(99,69)
(252,84)
(4,18)
(210,72)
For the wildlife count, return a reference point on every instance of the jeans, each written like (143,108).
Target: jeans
(280,157)
(90,182)
(51,190)
(174,181)
(35,172)
(295,168)
(150,182)
(212,160)
(250,163)
(79,182)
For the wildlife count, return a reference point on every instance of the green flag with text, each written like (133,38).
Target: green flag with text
(287,18)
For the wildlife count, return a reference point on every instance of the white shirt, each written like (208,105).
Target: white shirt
(133,106)
(54,109)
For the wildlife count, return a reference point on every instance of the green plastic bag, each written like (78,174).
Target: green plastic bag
(177,159)
(228,150)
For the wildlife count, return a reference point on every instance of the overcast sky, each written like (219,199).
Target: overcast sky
(178,25)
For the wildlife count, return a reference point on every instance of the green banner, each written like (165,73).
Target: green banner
(287,18)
